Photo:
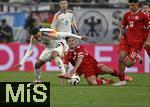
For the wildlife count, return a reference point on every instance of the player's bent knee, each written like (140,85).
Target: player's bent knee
(129,63)
(121,57)
(106,69)
(38,64)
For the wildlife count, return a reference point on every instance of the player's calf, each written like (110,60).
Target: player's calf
(56,57)
(37,70)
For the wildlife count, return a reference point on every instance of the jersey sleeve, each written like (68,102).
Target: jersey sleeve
(80,50)
(66,59)
(124,21)
(146,21)
(66,34)
(55,22)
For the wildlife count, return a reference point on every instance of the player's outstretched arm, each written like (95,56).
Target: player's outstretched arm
(27,54)
(66,34)
(78,63)
(122,33)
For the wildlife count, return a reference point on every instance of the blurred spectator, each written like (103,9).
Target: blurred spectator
(55,0)
(117,17)
(118,1)
(6,32)
(30,22)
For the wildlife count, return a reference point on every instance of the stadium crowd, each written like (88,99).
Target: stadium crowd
(34,20)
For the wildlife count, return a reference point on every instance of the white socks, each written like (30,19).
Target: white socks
(37,74)
(60,64)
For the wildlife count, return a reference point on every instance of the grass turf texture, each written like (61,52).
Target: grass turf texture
(135,94)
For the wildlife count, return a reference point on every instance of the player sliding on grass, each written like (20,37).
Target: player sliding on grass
(85,64)
(47,37)
(132,34)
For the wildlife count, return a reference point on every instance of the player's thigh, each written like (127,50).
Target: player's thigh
(106,69)
(58,51)
(136,47)
(123,46)
(122,55)
(123,49)
(88,70)
(91,80)
(46,55)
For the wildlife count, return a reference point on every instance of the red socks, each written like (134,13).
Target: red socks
(115,73)
(122,76)
(99,82)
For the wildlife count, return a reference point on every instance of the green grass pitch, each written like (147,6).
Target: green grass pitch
(135,94)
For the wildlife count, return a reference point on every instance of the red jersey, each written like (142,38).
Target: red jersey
(147,30)
(72,55)
(135,24)
(89,66)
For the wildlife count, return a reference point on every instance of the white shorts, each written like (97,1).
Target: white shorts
(62,47)
(46,54)
(60,50)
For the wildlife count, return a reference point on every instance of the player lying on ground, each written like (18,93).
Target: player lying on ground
(47,37)
(131,38)
(85,64)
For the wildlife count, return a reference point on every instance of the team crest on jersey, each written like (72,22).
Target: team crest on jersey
(136,17)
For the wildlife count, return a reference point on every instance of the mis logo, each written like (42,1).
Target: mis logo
(17,94)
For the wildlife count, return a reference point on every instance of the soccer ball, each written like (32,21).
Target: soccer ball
(75,80)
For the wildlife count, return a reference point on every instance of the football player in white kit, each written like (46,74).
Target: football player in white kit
(47,37)
(64,21)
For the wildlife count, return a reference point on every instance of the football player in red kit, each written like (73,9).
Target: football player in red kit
(85,64)
(146,9)
(131,37)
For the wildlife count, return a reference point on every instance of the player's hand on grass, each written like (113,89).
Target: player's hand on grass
(17,66)
(64,76)
(147,44)
(85,38)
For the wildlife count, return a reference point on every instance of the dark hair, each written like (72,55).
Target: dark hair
(3,20)
(68,38)
(34,30)
(133,1)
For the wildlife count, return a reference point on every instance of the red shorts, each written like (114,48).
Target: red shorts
(130,45)
(91,69)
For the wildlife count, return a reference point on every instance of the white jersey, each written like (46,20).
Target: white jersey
(45,39)
(48,38)
(63,21)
